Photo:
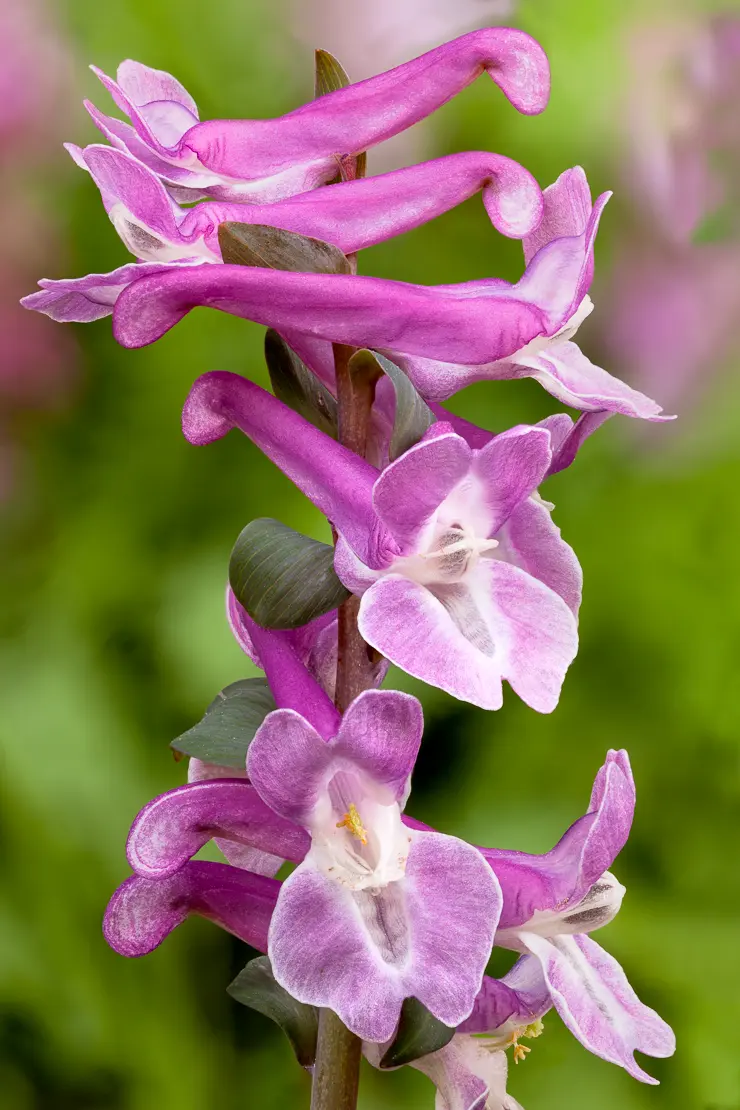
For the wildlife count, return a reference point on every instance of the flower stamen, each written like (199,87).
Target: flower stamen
(353,823)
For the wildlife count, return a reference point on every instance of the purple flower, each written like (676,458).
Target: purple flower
(266,160)
(552,902)
(352,215)
(376,912)
(465,580)
(444,337)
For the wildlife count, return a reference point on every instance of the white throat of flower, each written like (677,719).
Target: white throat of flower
(453,542)
(544,342)
(148,247)
(597,908)
(358,838)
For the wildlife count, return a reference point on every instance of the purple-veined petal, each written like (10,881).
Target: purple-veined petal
(508,626)
(142,912)
(408,492)
(565,372)
(510,467)
(561,877)
(82,300)
(288,762)
(337,481)
(568,445)
(346,121)
(595,1000)
(381,734)
(238,855)
(530,539)
(567,207)
(466,1074)
(174,826)
(428,936)
(521,997)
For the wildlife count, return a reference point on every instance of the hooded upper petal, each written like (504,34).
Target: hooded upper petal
(562,877)
(379,735)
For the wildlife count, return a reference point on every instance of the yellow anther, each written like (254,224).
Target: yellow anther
(520,1052)
(353,822)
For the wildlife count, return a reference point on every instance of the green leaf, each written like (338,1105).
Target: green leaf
(229,724)
(282,578)
(419,1033)
(275,249)
(257,988)
(298,387)
(330,74)
(413,415)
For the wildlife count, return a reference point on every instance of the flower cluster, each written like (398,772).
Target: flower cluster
(446,562)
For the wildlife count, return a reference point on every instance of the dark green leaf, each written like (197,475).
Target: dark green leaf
(275,249)
(282,578)
(229,724)
(257,988)
(419,1033)
(413,415)
(298,387)
(330,74)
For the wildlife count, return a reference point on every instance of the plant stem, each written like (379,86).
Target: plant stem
(336,1074)
(355,396)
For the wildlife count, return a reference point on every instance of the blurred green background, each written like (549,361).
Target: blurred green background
(115,540)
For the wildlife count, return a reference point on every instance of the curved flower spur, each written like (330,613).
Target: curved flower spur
(265,160)
(445,336)
(351,216)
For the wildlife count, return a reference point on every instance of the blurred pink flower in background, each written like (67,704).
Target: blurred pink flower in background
(369,38)
(36,362)
(675,285)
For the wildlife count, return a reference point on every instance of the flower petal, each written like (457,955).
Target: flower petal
(521,997)
(510,468)
(565,372)
(142,912)
(82,300)
(530,539)
(409,491)
(288,762)
(562,876)
(466,640)
(174,826)
(381,734)
(465,1073)
(361,953)
(593,997)
(337,481)
(567,207)
(292,686)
